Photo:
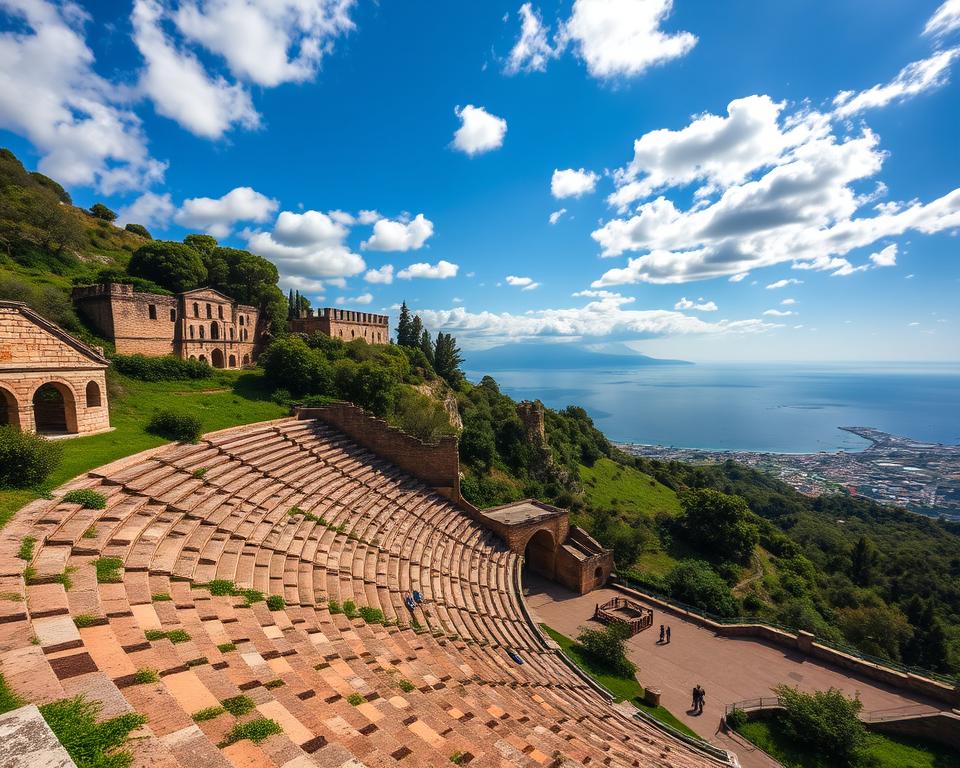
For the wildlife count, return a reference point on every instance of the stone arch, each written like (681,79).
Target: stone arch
(54,408)
(203,358)
(93,396)
(540,552)
(233,361)
(9,409)
(216,358)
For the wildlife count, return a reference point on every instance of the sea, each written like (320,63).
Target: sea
(779,408)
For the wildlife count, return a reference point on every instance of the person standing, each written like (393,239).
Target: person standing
(668,634)
(662,632)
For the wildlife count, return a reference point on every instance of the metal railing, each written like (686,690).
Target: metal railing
(873,716)
(754,705)
(844,648)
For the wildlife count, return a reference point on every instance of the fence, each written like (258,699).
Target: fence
(874,716)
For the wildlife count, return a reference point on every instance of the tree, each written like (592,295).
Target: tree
(202,244)
(826,721)
(696,583)
(606,647)
(45,181)
(174,266)
(929,645)
(864,559)
(291,311)
(719,524)
(289,363)
(426,345)
(477,443)
(447,358)
(877,630)
(139,229)
(404,339)
(416,331)
(100,211)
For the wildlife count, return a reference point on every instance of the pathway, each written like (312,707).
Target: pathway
(729,669)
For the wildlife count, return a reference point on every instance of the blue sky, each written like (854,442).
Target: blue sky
(693,154)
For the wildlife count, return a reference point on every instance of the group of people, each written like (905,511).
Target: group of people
(412,600)
(699,697)
(664,633)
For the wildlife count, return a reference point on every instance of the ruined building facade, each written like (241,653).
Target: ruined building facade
(345,324)
(202,324)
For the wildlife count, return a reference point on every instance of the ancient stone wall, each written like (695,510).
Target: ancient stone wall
(345,324)
(137,323)
(436,464)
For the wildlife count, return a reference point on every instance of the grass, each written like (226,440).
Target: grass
(256,731)
(371,615)
(275,603)
(86,498)
(144,676)
(622,688)
(208,714)
(226,647)
(132,403)
(238,705)
(405,685)
(109,570)
(275,683)
(355,699)
(90,533)
(161,597)
(173,635)
(26,548)
(8,699)
(223,588)
(91,744)
(882,750)
(85,620)
(608,485)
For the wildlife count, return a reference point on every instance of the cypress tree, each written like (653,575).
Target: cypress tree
(403,327)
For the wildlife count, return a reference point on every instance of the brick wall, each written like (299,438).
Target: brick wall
(345,324)
(436,464)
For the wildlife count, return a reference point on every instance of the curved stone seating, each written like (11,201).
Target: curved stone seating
(294,510)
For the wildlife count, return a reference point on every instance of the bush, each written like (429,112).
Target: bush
(275,603)
(176,426)
(736,718)
(826,721)
(139,229)
(606,647)
(100,211)
(165,368)
(86,498)
(696,583)
(26,459)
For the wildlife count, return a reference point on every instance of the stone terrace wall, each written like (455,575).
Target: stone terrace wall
(436,464)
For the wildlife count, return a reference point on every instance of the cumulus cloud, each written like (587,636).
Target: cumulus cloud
(945,19)
(309,244)
(524,283)
(915,78)
(556,215)
(699,305)
(788,302)
(779,313)
(382,276)
(623,37)
(784,283)
(572,183)
(393,235)
(363,298)
(267,42)
(885,258)
(150,210)
(439,271)
(604,317)
(739,277)
(51,95)
(479,130)
(217,216)
(532,50)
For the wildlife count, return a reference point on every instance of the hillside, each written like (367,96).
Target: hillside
(531,356)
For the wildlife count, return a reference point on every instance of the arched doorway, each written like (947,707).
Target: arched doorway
(54,408)
(540,553)
(216,358)
(214,330)
(233,361)
(246,359)
(9,409)
(93,395)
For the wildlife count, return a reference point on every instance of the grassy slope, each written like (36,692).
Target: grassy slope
(623,688)
(608,485)
(882,751)
(227,399)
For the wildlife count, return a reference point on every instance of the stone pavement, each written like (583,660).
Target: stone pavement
(729,669)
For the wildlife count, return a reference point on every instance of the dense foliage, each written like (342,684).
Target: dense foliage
(25,458)
(184,427)
(826,722)
(164,368)
(606,646)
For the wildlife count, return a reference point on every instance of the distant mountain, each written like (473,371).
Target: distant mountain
(511,357)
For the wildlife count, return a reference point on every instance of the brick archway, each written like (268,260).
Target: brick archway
(54,408)
(9,409)
(540,552)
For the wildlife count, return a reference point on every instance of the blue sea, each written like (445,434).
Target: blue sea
(788,408)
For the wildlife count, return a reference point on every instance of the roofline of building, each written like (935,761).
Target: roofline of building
(56,330)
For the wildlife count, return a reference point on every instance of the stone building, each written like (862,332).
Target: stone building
(202,324)
(50,382)
(345,324)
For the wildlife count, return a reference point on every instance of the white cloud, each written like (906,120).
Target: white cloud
(392,235)
(788,302)
(779,313)
(51,95)
(369,217)
(532,50)
(439,271)
(179,85)
(572,183)
(479,131)
(309,244)
(699,305)
(302,284)
(915,78)
(623,37)
(945,19)
(363,298)
(150,210)
(556,215)
(524,283)
(594,294)
(784,283)
(382,276)
(885,258)
(217,216)
(739,277)
(267,42)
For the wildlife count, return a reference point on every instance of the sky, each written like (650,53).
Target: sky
(743,180)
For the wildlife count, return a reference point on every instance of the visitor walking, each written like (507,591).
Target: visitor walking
(662,632)
(668,634)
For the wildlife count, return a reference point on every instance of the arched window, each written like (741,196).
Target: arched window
(214,330)
(220,311)
(196,309)
(201,331)
(209,311)
(216,357)
(173,315)
(233,361)
(241,319)
(231,333)
(191,331)
(193,357)
(93,395)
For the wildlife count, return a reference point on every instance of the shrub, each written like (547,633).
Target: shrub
(371,615)
(139,229)
(176,426)
(238,705)
(85,620)
(355,699)
(227,647)
(108,570)
(89,743)
(275,603)
(144,676)
(199,473)
(256,731)
(86,498)
(174,635)
(334,607)
(163,368)
(696,583)
(736,718)
(826,721)
(405,685)
(26,459)
(208,714)
(606,647)
(349,609)
(220,587)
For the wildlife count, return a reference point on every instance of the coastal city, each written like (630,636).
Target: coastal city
(923,477)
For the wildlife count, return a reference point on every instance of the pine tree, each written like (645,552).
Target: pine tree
(416,330)
(403,327)
(864,560)
(426,345)
(296,305)
(447,358)
(290,306)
